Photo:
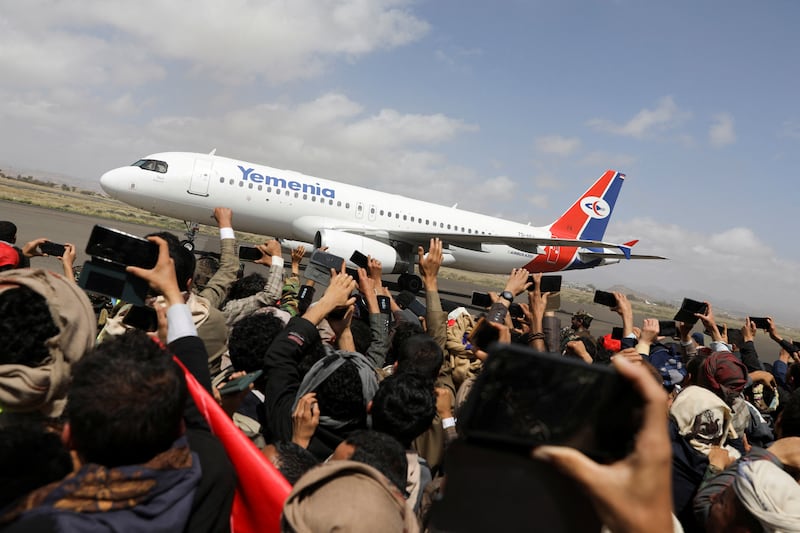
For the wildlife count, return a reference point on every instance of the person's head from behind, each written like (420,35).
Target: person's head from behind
(404,406)
(46,324)
(185,261)
(204,270)
(250,339)
(25,326)
(402,332)
(292,460)
(247,286)
(724,375)
(126,402)
(8,231)
(379,450)
(346,496)
(341,396)
(420,354)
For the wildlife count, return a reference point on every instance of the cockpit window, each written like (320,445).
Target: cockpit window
(151,164)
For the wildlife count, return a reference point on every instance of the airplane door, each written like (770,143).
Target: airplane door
(359,210)
(201,176)
(372,210)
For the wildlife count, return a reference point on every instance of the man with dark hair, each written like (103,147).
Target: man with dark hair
(291,459)
(420,354)
(124,421)
(404,407)
(379,450)
(249,341)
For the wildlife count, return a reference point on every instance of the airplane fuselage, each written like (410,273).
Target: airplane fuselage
(295,206)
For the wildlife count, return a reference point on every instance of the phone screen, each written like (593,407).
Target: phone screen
(667,328)
(122,248)
(359,259)
(481,299)
(52,249)
(688,309)
(249,253)
(605,298)
(550,284)
(527,398)
(760,322)
(141,317)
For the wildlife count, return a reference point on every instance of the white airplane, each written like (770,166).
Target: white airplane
(389,227)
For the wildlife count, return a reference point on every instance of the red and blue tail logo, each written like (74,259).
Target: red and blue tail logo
(588,217)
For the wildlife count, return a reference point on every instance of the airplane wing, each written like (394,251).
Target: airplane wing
(473,242)
(588,256)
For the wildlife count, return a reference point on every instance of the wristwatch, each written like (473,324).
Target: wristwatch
(508,295)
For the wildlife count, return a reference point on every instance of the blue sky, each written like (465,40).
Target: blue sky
(509,108)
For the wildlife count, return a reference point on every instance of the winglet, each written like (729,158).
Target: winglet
(626,250)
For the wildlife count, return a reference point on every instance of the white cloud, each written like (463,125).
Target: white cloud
(733,267)
(647,122)
(97,42)
(722,133)
(557,145)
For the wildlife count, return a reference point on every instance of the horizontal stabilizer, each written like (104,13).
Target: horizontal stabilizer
(588,256)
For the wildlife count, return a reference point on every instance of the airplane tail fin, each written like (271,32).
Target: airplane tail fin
(589,215)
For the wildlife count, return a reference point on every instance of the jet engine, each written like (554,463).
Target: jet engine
(344,244)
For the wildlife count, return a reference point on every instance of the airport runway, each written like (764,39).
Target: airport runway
(58,226)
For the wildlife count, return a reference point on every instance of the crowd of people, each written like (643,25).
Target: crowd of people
(356,403)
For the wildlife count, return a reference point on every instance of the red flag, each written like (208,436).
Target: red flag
(262,489)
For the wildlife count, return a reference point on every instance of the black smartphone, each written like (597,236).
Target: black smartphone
(249,253)
(384,304)
(483,334)
(796,346)
(608,299)
(305,295)
(736,337)
(111,279)
(481,299)
(122,248)
(240,384)
(760,322)
(141,317)
(52,249)
(547,283)
(688,309)
(359,259)
(667,328)
(527,398)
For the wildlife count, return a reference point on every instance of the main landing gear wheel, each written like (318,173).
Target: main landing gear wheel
(410,282)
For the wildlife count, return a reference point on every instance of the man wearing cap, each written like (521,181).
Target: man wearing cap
(578,330)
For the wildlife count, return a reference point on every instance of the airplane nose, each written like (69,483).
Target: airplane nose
(110,181)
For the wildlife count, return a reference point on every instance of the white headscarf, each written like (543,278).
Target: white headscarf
(770,494)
